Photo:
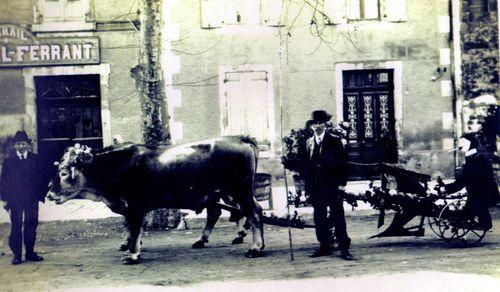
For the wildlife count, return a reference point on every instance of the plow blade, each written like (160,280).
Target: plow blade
(397,226)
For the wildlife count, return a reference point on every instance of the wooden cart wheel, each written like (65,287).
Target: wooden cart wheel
(434,225)
(456,226)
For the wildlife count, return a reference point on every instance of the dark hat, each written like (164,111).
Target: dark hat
(474,143)
(21,136)
(319,116)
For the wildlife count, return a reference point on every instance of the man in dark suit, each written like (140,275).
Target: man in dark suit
(325,178)
(20,189)
(478,179)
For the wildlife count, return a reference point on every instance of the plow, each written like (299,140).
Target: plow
(408,195)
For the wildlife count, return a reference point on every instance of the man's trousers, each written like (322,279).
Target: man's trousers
(30,212)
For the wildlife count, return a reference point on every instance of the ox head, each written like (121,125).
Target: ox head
(70,182)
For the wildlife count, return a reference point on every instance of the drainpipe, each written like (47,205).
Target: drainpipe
(456,74)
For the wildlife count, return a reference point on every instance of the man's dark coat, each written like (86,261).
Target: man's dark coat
(482,191)
(21,188)
(329,170)
(20,182)
(325,169)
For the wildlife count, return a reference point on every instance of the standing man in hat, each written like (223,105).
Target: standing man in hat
(20,189)
(325,178)
(478,179)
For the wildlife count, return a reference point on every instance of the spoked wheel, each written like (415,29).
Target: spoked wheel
(458,226)
(434,224)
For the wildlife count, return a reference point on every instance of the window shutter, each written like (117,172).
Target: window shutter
(75,10)
(231,12)
(371,9)
(250,11)
(271,12)
(211,14)
(395,10)
(52,10)
(353,9)
(336,11)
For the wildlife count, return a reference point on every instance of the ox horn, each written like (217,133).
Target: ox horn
(84,154)
(56,163)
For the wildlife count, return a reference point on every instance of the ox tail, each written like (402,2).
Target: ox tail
(253,143)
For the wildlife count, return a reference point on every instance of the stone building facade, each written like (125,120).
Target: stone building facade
(256,67)
(262,67)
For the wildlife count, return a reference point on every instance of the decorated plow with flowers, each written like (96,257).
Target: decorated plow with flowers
(405,192)
(408,194)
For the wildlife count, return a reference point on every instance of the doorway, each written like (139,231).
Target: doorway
(68,112)
(368,101)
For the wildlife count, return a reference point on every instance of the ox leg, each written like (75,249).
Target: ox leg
(135,229)
(213,214)
(241,231)
(254,213)
(125,244)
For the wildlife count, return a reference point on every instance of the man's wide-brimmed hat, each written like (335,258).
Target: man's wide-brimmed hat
(319,116)
(21,136)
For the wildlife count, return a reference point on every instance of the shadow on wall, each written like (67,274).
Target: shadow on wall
(433,162)
(423,151)
(5,147)
(429,138)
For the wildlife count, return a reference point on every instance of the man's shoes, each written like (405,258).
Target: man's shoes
(321,252)
(16,260)
(33,258)
(346,255)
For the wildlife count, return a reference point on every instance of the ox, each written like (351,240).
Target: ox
(134,179)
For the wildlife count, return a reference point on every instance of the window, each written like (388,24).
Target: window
(64,10)
(395,10)
(246,103)
(341,11)
(217,13)
(242,12)
(363,9)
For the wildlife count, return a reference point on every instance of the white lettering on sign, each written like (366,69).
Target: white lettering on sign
(44,52)
(13,31)
(56,52)
(76,49)
(33,53)
(87,48)
(5,56)
(66,53)
(20,54)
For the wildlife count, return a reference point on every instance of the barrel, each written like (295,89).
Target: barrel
(263,187)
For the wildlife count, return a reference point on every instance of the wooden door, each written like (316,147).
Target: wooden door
(68,112)
(369,109)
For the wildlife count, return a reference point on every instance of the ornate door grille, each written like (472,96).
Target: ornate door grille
(68,112)
(369,109)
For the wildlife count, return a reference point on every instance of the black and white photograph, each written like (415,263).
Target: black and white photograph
(249,145)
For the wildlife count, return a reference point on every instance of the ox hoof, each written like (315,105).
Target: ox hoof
(131,261)
(238,240)
(252,253)
(199,244)
(123,247)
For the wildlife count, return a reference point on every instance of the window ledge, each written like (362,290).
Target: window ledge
(63,26)
(246,29)
(368,25)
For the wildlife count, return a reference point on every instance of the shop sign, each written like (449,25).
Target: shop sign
(18,47)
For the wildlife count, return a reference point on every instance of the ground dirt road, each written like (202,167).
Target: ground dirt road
(84,253)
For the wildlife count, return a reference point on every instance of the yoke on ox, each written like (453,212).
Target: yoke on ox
(135,179)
